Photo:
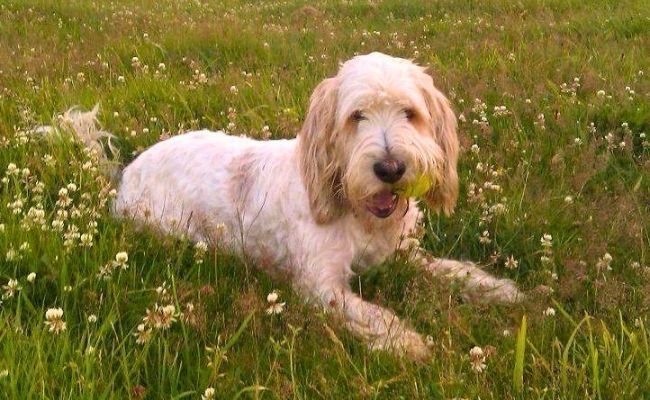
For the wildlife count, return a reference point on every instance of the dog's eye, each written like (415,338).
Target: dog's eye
(410,113)
(357,116)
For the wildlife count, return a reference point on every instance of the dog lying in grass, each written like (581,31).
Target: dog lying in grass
(341,197)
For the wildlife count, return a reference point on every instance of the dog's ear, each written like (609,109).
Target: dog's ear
(443,195)
(319,167)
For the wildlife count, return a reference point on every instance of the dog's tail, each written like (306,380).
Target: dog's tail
(86,129)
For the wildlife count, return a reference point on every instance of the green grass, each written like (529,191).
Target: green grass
(576,63)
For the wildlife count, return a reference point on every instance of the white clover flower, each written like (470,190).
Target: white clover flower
(272,297)
(58,225)
(11,288)
(208,394)
(511,263)
(492,186)
(161,290)
(274,306)
(12,255)
(477,358)
(122,257)
(120,260)
(500,111)
(12,169)
(604,263)
(202,78)
(160,317)
(143,334)
(549,312)
(189,316)
(485,238)
(200,248)
(16,206)
(498,209)
(31,277)
(266,132)
(169,310)
(54,320)
(4,373)
(64,198)
(92,318)
(86,240)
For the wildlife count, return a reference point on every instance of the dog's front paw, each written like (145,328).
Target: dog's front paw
(413,346)
(404,343)
(496,291)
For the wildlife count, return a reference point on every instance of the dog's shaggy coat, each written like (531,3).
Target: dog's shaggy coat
(327,203)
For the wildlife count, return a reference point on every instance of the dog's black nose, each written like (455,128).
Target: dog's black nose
(389,170)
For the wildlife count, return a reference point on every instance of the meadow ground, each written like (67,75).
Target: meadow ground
(553,101)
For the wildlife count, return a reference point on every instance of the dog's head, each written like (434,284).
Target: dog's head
(377,133)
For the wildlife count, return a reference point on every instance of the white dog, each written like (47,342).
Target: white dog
(332,201)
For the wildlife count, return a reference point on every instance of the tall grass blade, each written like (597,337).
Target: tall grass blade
(520,350)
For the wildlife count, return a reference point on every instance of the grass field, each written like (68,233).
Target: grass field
(553,100)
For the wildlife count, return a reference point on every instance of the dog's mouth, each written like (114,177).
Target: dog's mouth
(382,204)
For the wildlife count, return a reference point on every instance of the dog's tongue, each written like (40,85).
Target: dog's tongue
(382,204)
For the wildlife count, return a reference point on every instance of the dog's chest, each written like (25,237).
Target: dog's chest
(373,246)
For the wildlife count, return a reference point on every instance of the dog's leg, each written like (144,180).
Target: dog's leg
(478,285)
(378,326)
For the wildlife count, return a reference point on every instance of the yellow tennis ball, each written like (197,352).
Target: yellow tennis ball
(416,188)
